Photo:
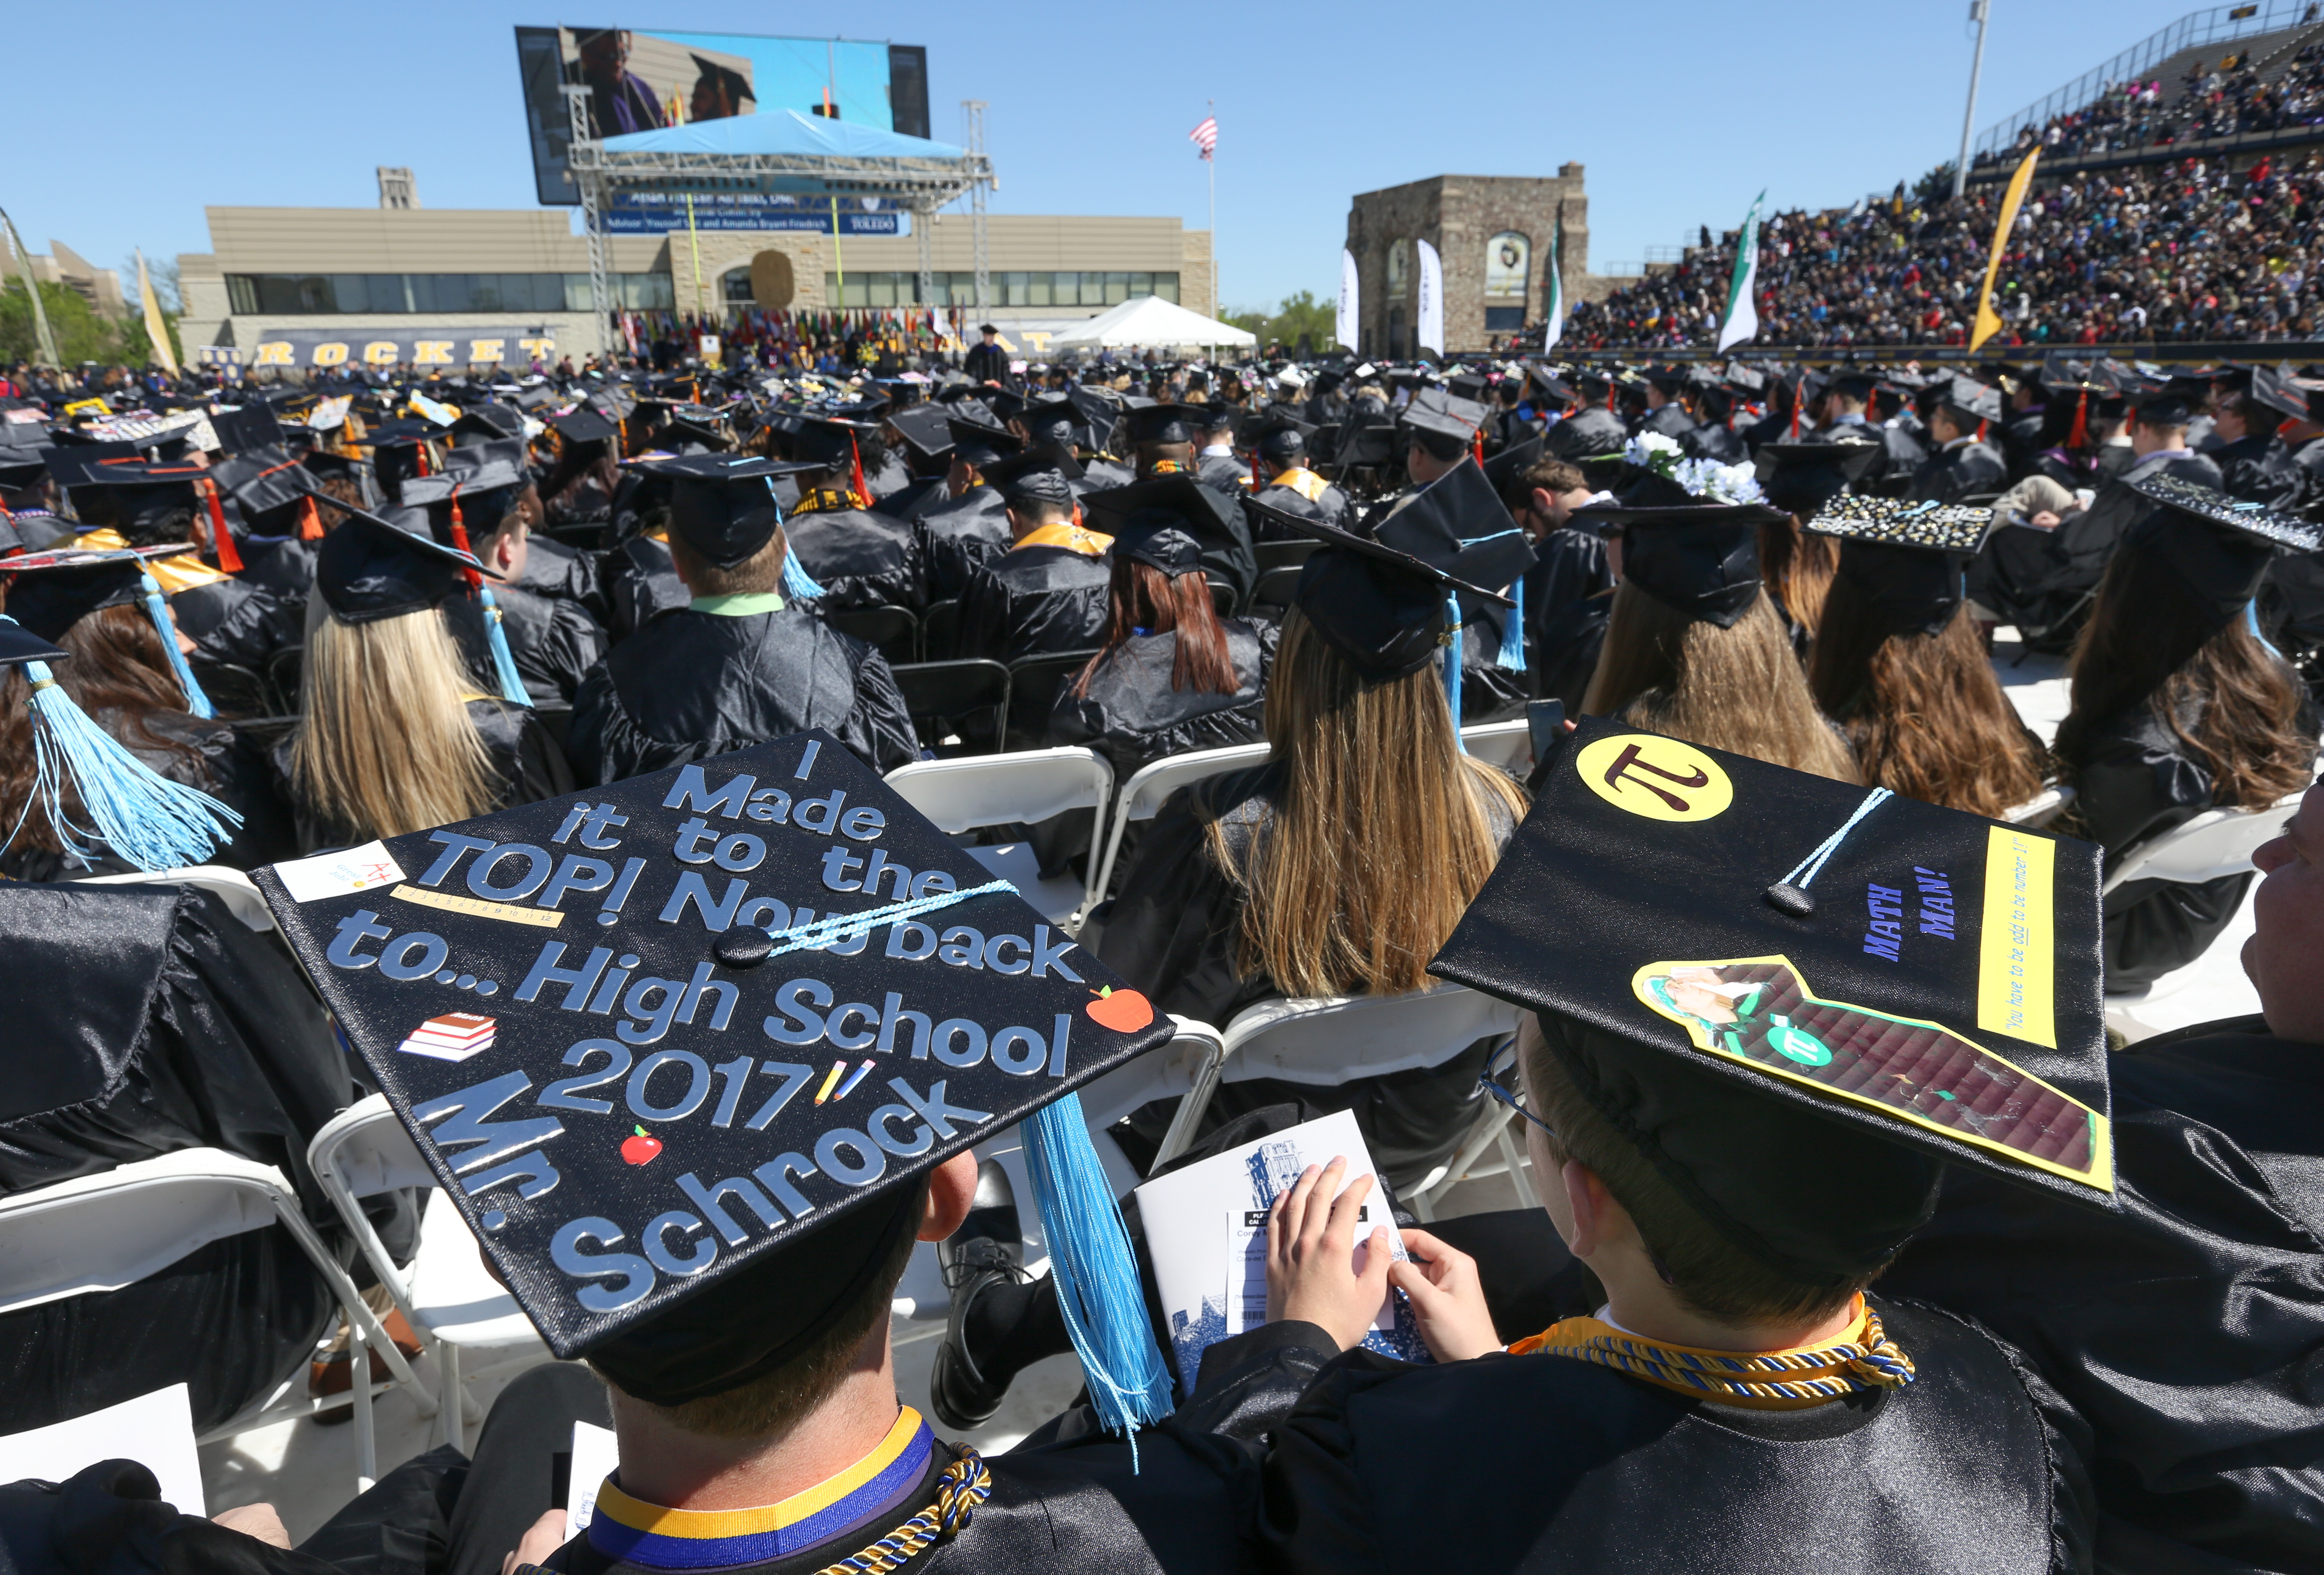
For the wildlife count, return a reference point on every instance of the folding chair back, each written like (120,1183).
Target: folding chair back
(1275,585)
(2041,808)
(1276,555)
(283,670)
(940,632)
(2216,843)
(1026,786)
(1035,683)
(939,693)
(1506,744)
(1143,795)
(893,629)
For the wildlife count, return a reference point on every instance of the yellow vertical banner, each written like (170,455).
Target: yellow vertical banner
(1988,325)
(156,330)
(2016,962)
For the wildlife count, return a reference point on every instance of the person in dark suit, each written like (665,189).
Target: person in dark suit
(986,361)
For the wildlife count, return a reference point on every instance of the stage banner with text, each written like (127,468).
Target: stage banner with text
(419,346)
(661,213)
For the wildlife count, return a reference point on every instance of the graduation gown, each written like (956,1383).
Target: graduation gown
(691,684)
(282,564)
(640,581)
(553,639)
(142,1020)
(1569,597)
(1172,934)
(1592,429)
(2040,580)
(1301,491)
(235,621)
(1713,441)
(1035,600)
(2139,782)
(1670,419)
(860,558)
(2259,469)
(2184,1326)
(910,501)
(959,536)
(1133,717)
(1958,471)
(525,761)
(551,568)
(1545,1464)
(2021,441)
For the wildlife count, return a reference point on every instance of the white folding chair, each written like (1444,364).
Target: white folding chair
(2216,843)
(1027,785)
(1150,787)
(445,1295)
(102,1232)
(230,886)
(1506,744)
(2041,808)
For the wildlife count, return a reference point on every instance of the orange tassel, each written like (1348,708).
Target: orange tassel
(1799,398)
(310,524)
(423,457)
(1981,432)
(229,559)
(1477,445)
(2081,432)
(460,539)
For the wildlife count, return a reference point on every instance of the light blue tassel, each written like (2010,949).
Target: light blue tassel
(2251,619)
(1452,667)
(1512,657)
(511,682)
(157,608)
(145,818)
(1095,1271)
(799,586)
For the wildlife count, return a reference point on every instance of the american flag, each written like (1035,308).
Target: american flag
(1205,136)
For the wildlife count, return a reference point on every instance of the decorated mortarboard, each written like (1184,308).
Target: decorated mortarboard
(1798,999)
(681,1048)
(1905,560)
(2221,547)
(1037,473)
(584,425)
(382,566)
(1167,521)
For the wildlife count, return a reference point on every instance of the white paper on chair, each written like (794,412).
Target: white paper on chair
(595,1455)
(156,1431)
(1213,1281)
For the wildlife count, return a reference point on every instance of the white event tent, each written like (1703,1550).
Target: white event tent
(1151,320)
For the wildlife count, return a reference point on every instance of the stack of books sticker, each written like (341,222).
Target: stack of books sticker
(454,1036)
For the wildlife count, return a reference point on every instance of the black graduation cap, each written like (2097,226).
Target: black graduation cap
(18,645)
(632,1113)
(1167,521)
(1503,467)
(250,426)
(1459,524)
(1905,558)
(1801,478)
(1541,383)
(376,565)
(1381,609)
(1935,996)
(1700,558)
(1166,423)
(488,422)
(979,443)
(1051,420)
(723,506)
(486,493)
(57,589)
(263,479)
(584,425)
(136,498)
(327,462)
(2173,404)
(1965,396)
(1039,471)
(2277,391)
(1444,417)
(1283,439)
(925,429)
(2220,547)
(828,443)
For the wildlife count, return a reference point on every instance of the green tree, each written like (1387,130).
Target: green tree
(1296,313)
(81,334)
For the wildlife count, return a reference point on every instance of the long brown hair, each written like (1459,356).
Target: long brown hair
(1796,566)
(1738,690)
(118,675)
(1142,597)
(386,745)
(2233,704)
(1380,833)
(1924,712)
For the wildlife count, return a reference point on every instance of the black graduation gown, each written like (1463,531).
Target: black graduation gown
(2138,783)
(860,558)
(551,568)
(525,759)
(1106,473)
(1670,419)
(693,685)
(142,1020)
(1715,441)
(553,639)
(283,564)
(910,501)
(1222,471)
(235,620)
(2040,580)
(959,536)
(2185,1325)
(892,477)
(1133,717)
(1330,505)
(2258,469)
(1949,475)
(224,764)
(1548,1466)
(640,581)
(1592,429)
(1035,601)
(1569,598)
(2021,441)
(1173,934)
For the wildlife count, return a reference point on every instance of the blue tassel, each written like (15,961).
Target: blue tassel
(1095,1271)
(1512,657)
(799,586)
(145,818)
(511,682)
(157,608)
(1452,667)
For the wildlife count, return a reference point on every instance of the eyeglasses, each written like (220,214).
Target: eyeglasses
(1494,1081)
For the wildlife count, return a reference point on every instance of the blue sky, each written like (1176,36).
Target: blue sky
(1682,110)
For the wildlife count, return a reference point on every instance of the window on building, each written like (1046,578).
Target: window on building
(1008,288)
(346,294)
(1504,319)
(1399,269)
(734,288)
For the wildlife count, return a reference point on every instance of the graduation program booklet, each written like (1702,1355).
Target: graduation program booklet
(1206,1232)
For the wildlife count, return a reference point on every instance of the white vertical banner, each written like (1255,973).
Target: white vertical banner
(1344,329)
(1741,323)
(1431,317)
(1552,303)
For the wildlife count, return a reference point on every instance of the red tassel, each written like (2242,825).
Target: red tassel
(1799,398)
(855,459)
(2081,432)
(1477,445)
(1981,432)
(310,524)
(460,539)
(229,558)
(1257,482)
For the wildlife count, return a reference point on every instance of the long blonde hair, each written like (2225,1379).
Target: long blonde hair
(1738,690)
(386,746)
(1379,836)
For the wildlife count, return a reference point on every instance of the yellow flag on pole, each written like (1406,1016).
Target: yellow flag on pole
(1988,325)
(156,330)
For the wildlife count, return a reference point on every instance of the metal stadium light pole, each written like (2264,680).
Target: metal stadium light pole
(1976,12)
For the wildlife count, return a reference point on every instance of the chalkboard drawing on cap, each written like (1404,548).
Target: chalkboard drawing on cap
(1656,776)
(1760,1009)
(453,1036)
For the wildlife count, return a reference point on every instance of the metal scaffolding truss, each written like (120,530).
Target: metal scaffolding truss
(919,186)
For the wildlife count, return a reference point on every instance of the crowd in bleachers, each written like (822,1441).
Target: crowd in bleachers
(2228,98)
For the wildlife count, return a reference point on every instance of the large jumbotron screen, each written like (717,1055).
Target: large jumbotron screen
(641,80)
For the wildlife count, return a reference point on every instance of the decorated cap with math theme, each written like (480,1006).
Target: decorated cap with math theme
(633,1065)
(1878,967)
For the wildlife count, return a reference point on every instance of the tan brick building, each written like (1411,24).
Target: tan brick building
(1494,233)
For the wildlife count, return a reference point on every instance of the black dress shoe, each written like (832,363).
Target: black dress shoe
(988,1250)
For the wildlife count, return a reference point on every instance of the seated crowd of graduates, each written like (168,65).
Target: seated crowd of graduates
(475,607)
